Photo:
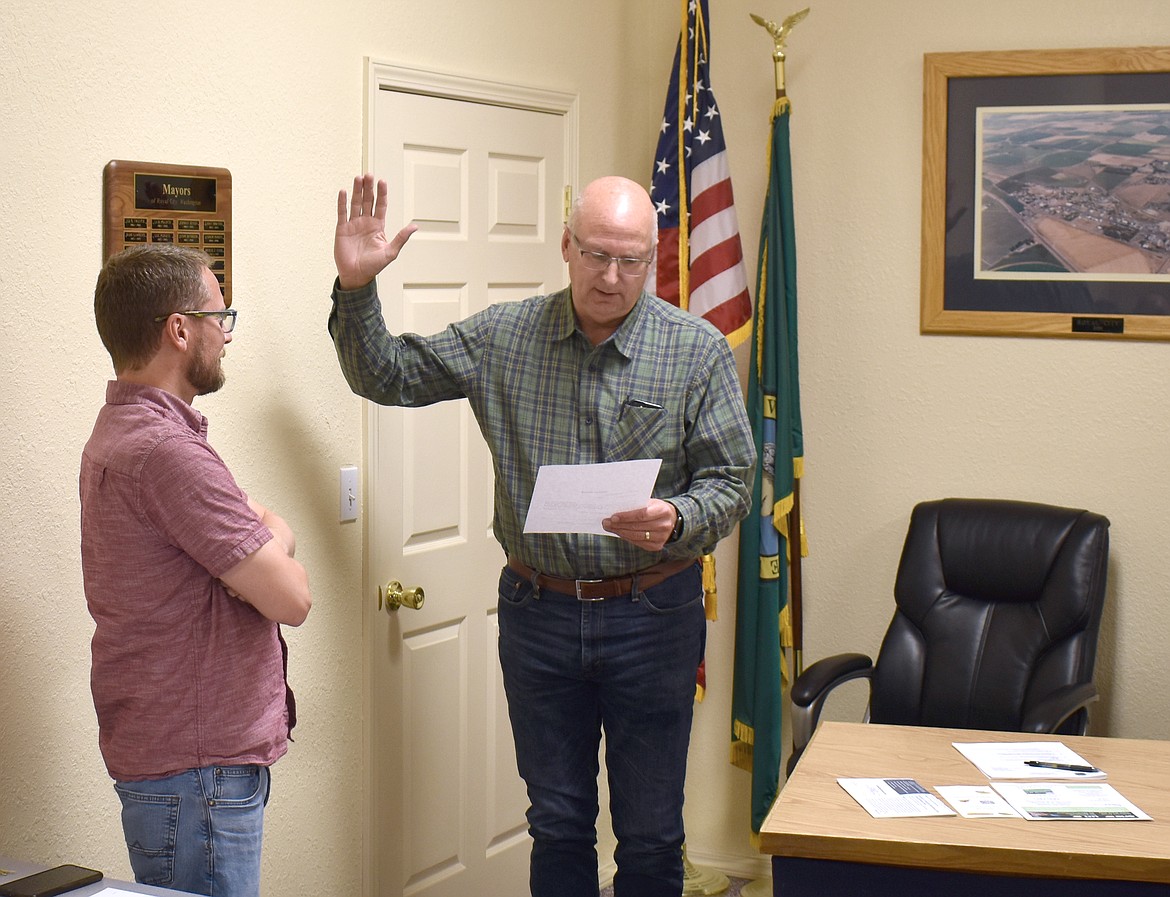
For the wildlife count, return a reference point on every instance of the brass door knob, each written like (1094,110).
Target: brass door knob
(396,596)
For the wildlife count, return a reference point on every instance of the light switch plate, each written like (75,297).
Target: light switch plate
(349,498)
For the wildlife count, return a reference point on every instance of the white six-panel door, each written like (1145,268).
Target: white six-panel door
(485,183)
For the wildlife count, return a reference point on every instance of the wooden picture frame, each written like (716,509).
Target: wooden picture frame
(1045,205)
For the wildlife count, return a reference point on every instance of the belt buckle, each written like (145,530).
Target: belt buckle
(580,597)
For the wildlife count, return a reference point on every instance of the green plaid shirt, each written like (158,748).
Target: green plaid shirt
(663,386)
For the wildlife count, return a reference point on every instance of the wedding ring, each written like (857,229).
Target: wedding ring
(647,535)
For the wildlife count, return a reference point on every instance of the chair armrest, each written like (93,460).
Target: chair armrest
(812,687)
(822,677)
(1054,709)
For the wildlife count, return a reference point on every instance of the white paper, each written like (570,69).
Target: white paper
(976,801)
(575,498)
(889,798)
(116,892)
(1068,800)
(1005,760)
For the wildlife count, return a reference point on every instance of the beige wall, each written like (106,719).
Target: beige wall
(274,93)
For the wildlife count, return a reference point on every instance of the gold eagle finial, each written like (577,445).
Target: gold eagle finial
(780,32)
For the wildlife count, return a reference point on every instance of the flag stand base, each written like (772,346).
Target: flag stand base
(761,887)
(700,881)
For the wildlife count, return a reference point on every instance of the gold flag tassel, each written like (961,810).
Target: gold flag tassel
(710,591)
(711,607)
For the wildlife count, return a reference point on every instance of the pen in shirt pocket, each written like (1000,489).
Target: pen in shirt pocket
(637,403)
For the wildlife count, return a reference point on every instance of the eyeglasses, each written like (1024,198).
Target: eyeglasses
(600,261)
(225,316)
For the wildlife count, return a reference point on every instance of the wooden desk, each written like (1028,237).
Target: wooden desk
(816,832)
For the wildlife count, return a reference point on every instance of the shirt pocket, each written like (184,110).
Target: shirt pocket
(642,431)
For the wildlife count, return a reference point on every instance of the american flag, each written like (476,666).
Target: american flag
(696,210)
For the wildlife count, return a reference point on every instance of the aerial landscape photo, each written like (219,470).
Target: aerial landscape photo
(1073,193)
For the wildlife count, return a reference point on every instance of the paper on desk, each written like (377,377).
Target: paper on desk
(1068,800)
(1005,760)
(115,892)
(889,798)
(575,498)
(976,801)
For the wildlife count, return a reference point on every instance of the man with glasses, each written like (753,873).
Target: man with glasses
(187,580)
(595,632)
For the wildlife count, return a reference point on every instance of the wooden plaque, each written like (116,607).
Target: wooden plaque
(154,202)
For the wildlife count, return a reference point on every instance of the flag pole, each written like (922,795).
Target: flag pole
(696,144)
(795,540)
(779,35)
(691,190)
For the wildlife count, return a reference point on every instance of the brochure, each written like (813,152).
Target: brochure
(1068,800)
(889,798)
(977,801)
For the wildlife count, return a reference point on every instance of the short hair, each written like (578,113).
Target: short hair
(136,286)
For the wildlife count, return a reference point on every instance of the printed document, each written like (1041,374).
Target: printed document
(575,498)
(1008,759)
(889,798)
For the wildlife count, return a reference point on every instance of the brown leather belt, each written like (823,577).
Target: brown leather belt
(599,589)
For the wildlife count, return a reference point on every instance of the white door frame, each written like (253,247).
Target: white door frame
(387,76)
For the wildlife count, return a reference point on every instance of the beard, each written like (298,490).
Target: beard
(205,372)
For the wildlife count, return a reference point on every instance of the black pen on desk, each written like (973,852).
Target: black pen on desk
(1070,767)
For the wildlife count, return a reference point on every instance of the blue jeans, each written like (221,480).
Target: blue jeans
(572,668)
(199,830)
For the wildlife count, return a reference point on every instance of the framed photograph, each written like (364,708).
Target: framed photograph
(1046,193)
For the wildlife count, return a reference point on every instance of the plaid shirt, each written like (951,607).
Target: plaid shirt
(663,386)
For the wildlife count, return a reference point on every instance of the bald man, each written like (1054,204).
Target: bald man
(595,632)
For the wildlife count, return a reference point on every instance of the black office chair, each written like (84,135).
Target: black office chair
(998,608)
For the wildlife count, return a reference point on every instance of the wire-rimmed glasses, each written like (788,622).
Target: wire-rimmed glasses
(600,261)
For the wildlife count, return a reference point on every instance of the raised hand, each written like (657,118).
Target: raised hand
(360,247)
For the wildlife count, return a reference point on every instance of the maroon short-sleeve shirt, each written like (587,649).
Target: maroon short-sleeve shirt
(183,674)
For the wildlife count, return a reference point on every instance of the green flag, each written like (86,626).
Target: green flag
(774,408)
